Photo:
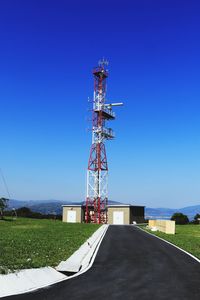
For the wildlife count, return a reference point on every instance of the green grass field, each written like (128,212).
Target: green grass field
(187,237)
(31,243)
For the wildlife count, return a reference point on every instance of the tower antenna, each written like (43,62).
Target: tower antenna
(97,172)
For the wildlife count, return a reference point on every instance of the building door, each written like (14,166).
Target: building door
(118,217)
(71,216)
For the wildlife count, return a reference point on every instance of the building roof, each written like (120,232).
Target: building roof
(72,205)
(125,205)
(110,205)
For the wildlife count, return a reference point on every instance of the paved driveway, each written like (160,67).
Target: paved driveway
(130,264)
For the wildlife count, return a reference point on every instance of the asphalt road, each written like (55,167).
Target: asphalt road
(130,264)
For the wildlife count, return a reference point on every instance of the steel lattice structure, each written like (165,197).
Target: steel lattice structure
(97,173)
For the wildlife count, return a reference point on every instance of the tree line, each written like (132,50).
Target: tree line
(23,212)
(182,219)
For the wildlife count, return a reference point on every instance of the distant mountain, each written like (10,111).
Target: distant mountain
(42,206)
(55,206)
(166,213)
(18,203)
(45,206)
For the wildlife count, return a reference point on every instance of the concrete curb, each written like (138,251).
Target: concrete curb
(29,280)
(194,257)
(81,258)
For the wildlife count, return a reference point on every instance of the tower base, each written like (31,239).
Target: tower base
(96,211)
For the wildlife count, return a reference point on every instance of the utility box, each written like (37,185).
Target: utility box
(72,213)
(166,226)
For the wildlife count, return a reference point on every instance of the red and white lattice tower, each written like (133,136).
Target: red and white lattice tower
(97,173)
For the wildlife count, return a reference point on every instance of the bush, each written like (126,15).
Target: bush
(180,218)
(197,219)
(24,212)
(3,205)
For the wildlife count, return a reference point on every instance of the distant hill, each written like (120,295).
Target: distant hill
(166,213)
(55,206)
(45,206)
(19,203)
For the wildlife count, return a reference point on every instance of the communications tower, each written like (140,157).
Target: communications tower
(97,172)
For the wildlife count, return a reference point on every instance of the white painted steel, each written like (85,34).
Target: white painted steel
(118,217)
(97,181)
(114,104)
(71,216)
(97,184)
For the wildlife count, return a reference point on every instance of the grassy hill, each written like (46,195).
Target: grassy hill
(29,243)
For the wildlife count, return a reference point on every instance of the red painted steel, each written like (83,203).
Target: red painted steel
(96,208)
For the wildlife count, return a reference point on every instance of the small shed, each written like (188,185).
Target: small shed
(72,213)
(119,214)
(125,214)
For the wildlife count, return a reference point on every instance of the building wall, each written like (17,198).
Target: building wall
(131,213)
(79,213)
(126,211)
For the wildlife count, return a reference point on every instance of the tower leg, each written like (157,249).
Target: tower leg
(97,191)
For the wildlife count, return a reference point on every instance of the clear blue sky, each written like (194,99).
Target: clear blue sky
(47,51)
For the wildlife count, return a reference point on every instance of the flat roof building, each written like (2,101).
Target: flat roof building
(119,214)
